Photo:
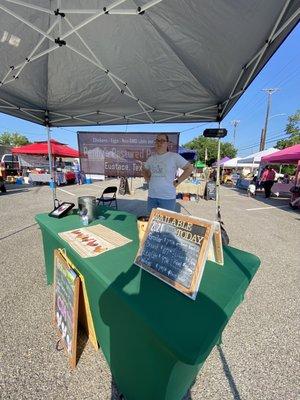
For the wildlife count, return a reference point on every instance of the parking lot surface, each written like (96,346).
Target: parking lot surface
(259,356)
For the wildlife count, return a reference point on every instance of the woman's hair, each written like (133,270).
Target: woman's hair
(165,135)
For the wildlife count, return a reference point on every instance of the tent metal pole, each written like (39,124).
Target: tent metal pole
(92,18)
(10,12)
(52,180)
(218,180)
(268,42)
(284,26)
(22,3)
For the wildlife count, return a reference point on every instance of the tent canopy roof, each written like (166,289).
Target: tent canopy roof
(256,157)
(234,163)
(188,154)
(41,148)
(134,61)
(231,163)
(222,161)
(290,155)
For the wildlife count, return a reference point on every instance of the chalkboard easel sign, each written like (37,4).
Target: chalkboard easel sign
(66,297)
(174,249)
(210,190)
(124,186)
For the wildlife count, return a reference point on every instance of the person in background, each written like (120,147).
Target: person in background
(267,180)
(77,172)
(59,170)
(2,185)
(213,175)
(286,178)
(251,191)
(160,171)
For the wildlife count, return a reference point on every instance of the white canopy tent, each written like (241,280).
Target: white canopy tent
(234,163)
(256,157)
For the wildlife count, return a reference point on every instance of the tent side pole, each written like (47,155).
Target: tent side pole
(52,180)
(218,181)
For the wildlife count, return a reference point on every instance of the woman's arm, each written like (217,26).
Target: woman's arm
(146,173)
(187,171)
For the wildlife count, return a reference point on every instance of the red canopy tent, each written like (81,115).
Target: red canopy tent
(41,148)
(290,155)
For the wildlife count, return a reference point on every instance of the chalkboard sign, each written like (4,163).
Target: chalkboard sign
(174,249)
(66,295)
(124,187)
(210,190)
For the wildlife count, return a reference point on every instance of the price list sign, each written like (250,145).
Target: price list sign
(174,249)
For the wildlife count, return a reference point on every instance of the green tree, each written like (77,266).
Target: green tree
(13,139)
(292,130)
(201,143)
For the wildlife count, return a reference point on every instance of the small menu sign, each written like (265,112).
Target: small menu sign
(175,248)
(66,295)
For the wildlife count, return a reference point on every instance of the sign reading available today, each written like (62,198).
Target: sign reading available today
(117,153)
(175,248)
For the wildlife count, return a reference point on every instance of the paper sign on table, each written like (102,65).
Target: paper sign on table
(93,240)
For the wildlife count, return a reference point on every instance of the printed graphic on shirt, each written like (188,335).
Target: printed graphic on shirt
(159,169)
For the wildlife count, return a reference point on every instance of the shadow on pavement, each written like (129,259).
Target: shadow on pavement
(17,231)
(282,202)
(233,387)
(13,191)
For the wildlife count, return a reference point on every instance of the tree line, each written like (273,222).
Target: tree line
(201,144)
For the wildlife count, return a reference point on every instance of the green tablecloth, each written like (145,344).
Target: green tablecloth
(154,338)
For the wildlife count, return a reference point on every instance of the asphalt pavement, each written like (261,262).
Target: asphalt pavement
(259,355)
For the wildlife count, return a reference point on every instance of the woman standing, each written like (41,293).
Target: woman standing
(267,180)
(160,171)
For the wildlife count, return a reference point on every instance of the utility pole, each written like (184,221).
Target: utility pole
(264,130)
(235,123)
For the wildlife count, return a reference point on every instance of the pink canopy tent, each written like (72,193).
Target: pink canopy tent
(290,155)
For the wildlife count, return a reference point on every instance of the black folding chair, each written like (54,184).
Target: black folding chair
(109,199)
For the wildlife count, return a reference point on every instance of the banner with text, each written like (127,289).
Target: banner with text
(117,154)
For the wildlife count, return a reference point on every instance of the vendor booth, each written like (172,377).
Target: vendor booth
(251,163)
(36,165)
(154,338)
(289,155)
(235,172)
(128,62)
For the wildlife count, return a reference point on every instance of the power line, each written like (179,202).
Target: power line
(267,141)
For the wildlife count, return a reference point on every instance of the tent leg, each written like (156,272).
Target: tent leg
(218,216)
(52,180)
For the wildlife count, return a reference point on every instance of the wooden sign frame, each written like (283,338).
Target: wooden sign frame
(215,252)
(209,226)
(84,310)
(72,352)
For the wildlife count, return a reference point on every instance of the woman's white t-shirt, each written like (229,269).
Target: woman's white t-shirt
(163,169)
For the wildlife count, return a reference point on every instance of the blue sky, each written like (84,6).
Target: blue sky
(282,72)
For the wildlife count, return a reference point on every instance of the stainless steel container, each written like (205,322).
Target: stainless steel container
(87,205)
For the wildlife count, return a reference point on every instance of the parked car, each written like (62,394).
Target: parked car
(9,165)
